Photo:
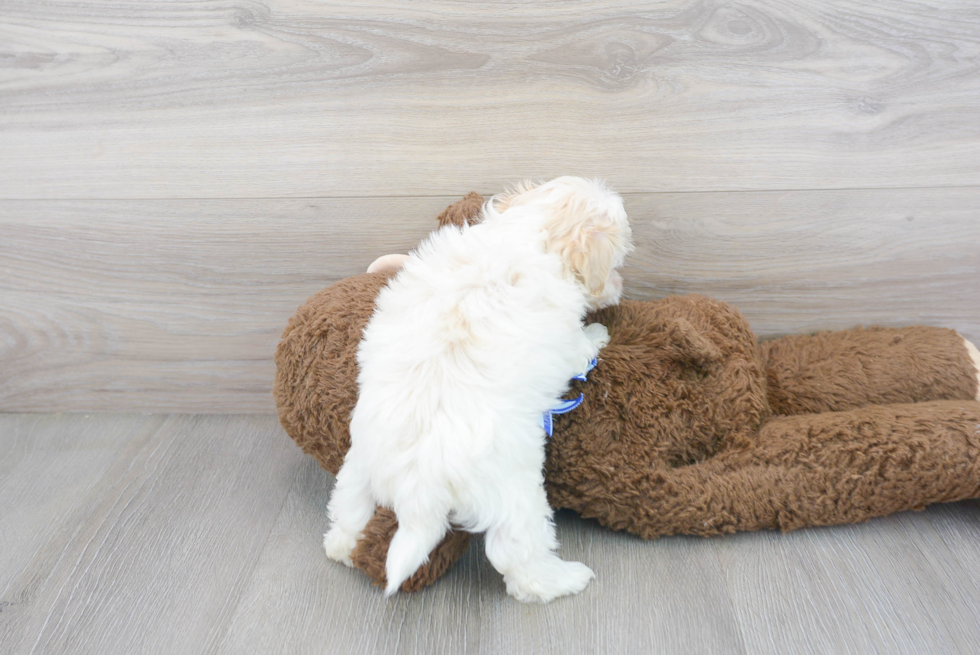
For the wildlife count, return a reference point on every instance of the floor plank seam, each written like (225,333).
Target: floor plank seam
(260,552)
(452,195)
(742,637)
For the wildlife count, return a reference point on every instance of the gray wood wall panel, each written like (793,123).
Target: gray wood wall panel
(308,98)
(815,260)
(189,173)
(177,305)
(157,305)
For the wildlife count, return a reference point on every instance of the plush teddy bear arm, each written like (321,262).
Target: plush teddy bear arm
(462,212)
(371,552)
(814,469)
(838,371)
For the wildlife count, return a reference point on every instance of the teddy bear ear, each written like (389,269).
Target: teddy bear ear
(464,212)
(690,345)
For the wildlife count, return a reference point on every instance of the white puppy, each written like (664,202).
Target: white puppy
(474,339)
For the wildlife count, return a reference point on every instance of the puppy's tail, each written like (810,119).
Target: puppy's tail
(413,541)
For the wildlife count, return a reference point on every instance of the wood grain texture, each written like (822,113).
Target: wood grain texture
(252,99)
(178,305)
(797,262)
(150,559)
(125,535)
(172,304)
(649,597)
(888,586)
(48,468)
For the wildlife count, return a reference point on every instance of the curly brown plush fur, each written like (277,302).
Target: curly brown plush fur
(690,425)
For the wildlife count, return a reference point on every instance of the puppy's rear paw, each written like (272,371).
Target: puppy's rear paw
(339,545)
(548,580)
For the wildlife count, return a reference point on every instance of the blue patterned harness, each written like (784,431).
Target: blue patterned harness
(565,406)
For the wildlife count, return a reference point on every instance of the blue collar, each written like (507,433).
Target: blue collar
(565,406)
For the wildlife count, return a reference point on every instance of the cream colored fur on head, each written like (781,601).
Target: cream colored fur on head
(586,226)
(471,342)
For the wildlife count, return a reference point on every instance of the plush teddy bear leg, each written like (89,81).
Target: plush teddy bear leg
(838,371)
(371,552)
(421,526)
(817,469)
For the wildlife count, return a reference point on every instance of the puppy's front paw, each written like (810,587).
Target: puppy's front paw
(598,335)
(339,545)
(548,581)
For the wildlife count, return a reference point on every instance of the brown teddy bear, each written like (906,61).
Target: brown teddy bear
(689,424)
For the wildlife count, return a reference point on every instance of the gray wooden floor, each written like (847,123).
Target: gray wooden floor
(202,534)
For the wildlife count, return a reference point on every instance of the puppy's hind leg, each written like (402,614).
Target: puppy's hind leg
(422,523)
(350,508)
(520,546)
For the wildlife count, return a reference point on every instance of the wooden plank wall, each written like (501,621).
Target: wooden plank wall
(176,178)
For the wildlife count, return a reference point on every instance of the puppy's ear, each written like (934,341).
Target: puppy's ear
(590,255)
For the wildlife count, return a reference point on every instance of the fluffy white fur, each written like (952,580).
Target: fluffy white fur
(477,335)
